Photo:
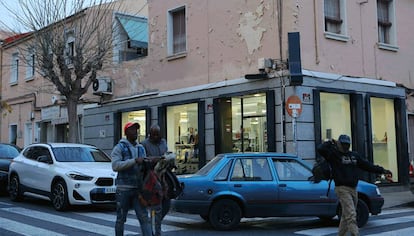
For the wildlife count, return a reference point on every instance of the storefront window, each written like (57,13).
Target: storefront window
(243,123)
(138,117)
(182,136)
(249,123)
(383,134)
(335,115)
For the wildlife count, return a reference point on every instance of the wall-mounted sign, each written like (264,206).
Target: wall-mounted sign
(294,106)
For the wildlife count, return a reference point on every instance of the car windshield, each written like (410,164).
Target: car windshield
(209,165)
(7,151)
(80,154)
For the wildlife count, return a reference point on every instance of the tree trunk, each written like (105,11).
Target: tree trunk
(73,120)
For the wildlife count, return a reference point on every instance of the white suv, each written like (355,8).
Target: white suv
(66,173)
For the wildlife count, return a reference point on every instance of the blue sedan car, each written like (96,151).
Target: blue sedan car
(236,185)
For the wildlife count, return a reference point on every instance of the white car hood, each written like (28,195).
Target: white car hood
(103,169)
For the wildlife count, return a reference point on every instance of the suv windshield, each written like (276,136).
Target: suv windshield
(79,154)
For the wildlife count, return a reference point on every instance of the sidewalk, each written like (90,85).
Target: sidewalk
(396,197)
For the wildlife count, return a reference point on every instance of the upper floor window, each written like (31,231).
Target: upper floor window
(176,27)
(131,38)
(335,22)
(70,46)
(14,68)
(333,19)
(386,28)
(30,64)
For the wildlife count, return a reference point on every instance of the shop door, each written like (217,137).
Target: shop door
(255,134)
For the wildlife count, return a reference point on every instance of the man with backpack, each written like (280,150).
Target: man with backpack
(128,159)
(345,164)
(155,148)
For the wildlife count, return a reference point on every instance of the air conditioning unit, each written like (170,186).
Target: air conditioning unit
(102,85)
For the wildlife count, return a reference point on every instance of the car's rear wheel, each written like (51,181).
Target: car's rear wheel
(362,213)
(14,189)
(225,214)
(60,196)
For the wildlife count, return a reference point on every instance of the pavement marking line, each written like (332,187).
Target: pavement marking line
(269,219)
(25,229)
(132,221)
(318,231)
(182,219)
(405,231)
(393,211)
(78,224)
(382,222)
(372,223)
(7,204)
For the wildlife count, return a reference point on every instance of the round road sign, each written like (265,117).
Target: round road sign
(294,106)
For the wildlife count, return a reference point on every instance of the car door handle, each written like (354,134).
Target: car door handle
(282,185)
(237,185)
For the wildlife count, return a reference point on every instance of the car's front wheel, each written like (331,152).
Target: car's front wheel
(14,189)
(362,213)
(60,196)
(225,214)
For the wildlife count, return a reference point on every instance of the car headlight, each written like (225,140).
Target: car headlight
(79,176)
(378,191)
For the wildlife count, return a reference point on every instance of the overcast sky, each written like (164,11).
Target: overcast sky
(6,18)
(8,21)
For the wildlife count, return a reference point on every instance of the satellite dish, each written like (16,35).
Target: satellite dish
(95,85)
(54,99)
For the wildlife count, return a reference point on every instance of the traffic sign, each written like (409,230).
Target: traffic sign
(294,106)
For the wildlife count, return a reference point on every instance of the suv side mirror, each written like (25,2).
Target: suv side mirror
(44,159)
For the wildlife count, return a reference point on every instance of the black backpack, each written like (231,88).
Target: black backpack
(174,186)
(321,170)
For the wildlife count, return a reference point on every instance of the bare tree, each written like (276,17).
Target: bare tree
(70,42)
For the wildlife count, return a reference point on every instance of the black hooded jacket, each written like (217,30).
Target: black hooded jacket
(345,164)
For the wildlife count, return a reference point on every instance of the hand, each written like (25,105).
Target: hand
(139,160)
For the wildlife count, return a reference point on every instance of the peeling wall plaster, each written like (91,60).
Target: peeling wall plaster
(249,31)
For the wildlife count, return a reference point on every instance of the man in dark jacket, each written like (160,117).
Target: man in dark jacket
(127,159)
(155,148)
(345,165)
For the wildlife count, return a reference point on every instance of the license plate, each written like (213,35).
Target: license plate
(110,190)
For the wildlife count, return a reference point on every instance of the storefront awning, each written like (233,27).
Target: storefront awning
(137,30)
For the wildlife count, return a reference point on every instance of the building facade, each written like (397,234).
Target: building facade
(219,72)
(271,75)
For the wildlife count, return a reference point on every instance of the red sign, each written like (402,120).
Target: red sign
(294,106)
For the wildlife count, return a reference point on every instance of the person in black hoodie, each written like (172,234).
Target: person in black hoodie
(345,165)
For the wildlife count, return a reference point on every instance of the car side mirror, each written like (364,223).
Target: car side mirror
(44,159)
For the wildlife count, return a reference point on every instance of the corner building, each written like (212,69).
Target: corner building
(224,76)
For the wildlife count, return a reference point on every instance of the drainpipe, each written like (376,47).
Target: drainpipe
(1,76)
(315,25)
(283,97)
(282,81)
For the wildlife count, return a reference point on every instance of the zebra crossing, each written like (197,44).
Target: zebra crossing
(375,225)
(72,223)
(17,220)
